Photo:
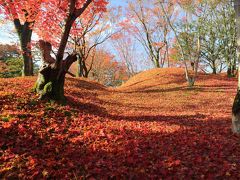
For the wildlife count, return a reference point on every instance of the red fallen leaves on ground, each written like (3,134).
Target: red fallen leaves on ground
(153,126)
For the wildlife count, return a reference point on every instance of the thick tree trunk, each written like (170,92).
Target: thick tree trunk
(236,104)
(236,114)
(27,61)
(50,85)
(25,36)
(51,78)
(27,66)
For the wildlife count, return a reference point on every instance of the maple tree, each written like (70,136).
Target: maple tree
(106,70)
(88,33)
(150,28)
(126,49)
(50,83)
(23,14)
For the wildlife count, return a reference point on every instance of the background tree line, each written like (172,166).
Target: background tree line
(197,35)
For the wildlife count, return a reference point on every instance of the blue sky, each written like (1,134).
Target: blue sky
(118,2)
(6,33)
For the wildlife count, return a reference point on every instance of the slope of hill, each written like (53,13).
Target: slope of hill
(155,77)
(153,126)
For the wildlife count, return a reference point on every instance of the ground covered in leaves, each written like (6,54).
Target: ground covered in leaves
(153,126)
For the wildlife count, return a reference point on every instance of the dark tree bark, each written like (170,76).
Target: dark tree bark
(236,104)
(82,69)
(25,35)
(157,64)
(79,68)
(231,70)
(50,82)
(214,70)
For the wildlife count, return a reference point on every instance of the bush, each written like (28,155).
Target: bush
(14,67)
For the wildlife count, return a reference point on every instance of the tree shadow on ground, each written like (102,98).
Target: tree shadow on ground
(68,147)
(207,149)
(198,88)
(84,84)
(181,120)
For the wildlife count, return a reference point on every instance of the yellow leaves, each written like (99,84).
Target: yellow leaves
(45,173)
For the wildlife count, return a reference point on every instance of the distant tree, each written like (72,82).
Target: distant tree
(11,62)
(219,37)
(189,53)
(228,29)
(88,33)
(150,28)
(8,51)
(125,46)
(106,70)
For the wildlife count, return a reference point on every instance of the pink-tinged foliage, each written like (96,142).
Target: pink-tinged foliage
(152,127)
(46,16)
(51,23)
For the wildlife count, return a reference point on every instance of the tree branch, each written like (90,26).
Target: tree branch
(78,12)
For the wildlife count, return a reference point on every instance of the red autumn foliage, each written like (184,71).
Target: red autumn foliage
(152,127)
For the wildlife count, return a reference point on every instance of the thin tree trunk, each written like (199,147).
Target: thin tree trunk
(236,104)
(190,80)
(157,64)
(79,67)
(214,69)
(85,70)
(229,71)
(167,54)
